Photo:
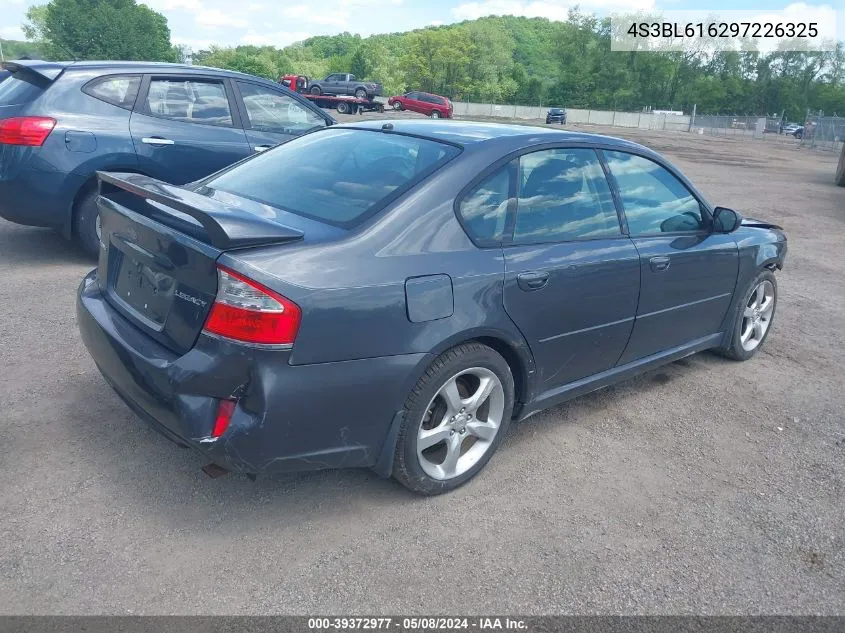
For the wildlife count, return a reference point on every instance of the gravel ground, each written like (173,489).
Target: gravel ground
(707,486)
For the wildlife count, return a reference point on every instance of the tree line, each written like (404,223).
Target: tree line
(515,60)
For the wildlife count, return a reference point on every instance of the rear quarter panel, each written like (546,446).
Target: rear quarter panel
(352,291)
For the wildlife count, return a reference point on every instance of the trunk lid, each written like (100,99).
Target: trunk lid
(159,246)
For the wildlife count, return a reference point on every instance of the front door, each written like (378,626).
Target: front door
(571,277)
(272,117)
(185,128)
(688,274)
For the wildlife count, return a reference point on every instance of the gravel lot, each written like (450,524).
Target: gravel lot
(707,486)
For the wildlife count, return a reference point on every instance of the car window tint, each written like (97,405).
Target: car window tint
(192,101)
(20,88)
(119,90)
(338,176)
(484,209)
(273,111)
(563,195)
(655,201)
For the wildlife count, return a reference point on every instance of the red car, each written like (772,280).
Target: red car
(431,105)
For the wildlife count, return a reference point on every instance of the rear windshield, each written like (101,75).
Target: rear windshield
(21,88)
(338,176)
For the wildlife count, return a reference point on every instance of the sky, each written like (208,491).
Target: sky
(200,23)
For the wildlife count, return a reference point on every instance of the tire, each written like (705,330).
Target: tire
(86,224)
(316,90)
(736,350)
(840,170)
(397,106)
(342,107)
(361,93)
(464,367)
(435,114)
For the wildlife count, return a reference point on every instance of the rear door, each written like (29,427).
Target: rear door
(271,117)
(332,84)
(688,273)
(185,127)
(571,275)
(413,102)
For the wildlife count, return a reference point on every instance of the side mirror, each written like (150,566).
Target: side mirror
(726,220)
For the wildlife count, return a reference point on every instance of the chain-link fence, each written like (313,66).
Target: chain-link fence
(824,132)
(771,129)
(817,132)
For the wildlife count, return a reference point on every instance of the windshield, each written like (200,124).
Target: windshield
(338,176)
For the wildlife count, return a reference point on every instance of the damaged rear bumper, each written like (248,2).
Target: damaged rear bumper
(288,417)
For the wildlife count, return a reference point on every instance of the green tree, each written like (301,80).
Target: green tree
(101,29)
(359,64)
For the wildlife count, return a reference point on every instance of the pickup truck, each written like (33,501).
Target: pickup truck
(345,84)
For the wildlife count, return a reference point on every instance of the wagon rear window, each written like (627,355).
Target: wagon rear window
(337,176)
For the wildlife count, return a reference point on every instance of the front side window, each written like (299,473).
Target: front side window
(563,195)
(189,100)
(484,209)
(655,201)
(119,90)
(338,176)
(273,111)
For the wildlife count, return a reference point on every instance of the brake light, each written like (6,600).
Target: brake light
(248,312)
(31,131)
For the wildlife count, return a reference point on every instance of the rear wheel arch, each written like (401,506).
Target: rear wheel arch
(520,362)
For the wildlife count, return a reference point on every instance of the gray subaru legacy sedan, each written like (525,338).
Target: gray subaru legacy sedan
(393,295)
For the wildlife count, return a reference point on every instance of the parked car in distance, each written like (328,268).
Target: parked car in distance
(60,122)
(790,128)
(556,115)
(433,106)
(393,294)
(345,84)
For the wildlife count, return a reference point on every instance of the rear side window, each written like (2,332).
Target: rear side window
(21,88)
(119,90)
(563,195)
(190,100)
(484,209)
(338,176)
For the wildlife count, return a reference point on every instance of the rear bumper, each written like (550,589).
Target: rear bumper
(288,418)
(35,197)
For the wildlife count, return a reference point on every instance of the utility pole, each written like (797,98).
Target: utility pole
(2,58)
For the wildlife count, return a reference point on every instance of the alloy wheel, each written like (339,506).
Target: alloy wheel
(460,423)
(757,316)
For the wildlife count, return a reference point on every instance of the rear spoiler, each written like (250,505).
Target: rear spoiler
(227,227)
(47,70)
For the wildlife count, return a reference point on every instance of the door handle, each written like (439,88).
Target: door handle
(156,140)
(263,148)
(659,263)
(532,280)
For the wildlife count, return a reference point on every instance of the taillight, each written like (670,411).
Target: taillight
(248,312)
(26,130)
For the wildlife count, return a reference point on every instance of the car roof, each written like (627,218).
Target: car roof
(53,69)
(470,133)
